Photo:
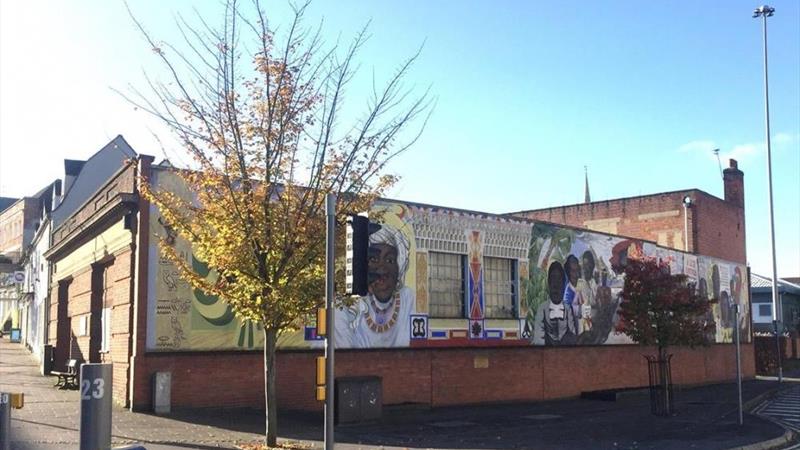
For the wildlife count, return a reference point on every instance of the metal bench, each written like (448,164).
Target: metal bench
(68,379)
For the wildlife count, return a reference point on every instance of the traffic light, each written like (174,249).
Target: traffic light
(357,264)
(322,322)
(321,378)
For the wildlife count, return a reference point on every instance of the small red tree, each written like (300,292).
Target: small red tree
(661,309)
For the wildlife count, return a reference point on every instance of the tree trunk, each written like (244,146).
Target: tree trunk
(270,397)
(663,367)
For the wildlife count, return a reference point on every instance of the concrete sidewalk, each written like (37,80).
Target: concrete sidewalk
(51,417)
(706,419)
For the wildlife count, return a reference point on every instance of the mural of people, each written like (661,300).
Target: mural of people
(603,315)
(702,291)
(381,318)
(555,322)
(737,288)
(572,297)
(587,287)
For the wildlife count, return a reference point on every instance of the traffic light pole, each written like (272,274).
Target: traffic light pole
(330,217)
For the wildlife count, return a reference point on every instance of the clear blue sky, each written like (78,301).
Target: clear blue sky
(528,93)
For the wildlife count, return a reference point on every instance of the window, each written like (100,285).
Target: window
(446,284)
(83,325)
(106,325)
(765,310)
(499,288)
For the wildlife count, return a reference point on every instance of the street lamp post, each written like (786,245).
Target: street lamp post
(765,11)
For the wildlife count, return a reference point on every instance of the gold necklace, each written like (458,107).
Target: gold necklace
(382,328)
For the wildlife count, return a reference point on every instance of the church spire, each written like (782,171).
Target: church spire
(586,197)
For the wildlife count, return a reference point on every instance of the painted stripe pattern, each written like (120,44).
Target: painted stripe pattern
(784,408)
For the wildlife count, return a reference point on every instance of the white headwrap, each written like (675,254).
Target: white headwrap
(390,236)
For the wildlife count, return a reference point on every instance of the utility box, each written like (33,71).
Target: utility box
(162,387)
(47,359)
(358,399)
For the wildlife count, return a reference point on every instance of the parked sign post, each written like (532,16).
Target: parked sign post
(95,391)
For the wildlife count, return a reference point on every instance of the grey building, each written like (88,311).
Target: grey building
(761,301)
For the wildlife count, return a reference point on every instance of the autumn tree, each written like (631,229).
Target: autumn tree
(661,309)
(268,141)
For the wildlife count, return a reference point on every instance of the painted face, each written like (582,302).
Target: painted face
(383,268)
(555,284)
(702,289)
(573,270)
(588,266)
(715,281)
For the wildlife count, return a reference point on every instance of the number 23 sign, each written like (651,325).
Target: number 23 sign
(92,389)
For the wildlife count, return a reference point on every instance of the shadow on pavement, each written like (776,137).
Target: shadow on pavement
(706,419)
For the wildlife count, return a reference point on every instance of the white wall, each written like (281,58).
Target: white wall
(37,280)
(759,318)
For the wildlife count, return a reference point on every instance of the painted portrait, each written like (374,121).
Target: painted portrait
(381,318)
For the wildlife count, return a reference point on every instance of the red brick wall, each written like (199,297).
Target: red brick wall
(435,376)
(57,331)
(78,304)
(220,379)
(118,297)
(139,387)
(662,220)
(719,227)
(716,227)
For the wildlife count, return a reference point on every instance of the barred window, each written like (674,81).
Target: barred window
(446,284)
(499,288)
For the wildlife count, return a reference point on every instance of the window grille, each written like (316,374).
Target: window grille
(446,284)
(499,288)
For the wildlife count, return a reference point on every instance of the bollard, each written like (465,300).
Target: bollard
(95,391)
(5,421)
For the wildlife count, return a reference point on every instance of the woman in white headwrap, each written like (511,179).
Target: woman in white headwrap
(381,319)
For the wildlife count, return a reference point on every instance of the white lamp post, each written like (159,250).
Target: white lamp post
(765,11)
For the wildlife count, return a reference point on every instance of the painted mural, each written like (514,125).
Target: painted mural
(574,289)
(179,317)
(383,318)
(440,277)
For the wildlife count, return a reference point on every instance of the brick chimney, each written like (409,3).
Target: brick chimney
(733,179)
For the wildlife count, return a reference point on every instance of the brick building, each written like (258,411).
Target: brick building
(93,267)
(477,302)
(17,226)
(689,220)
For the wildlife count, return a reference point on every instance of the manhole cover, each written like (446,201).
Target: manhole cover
(452,424)
(542,416)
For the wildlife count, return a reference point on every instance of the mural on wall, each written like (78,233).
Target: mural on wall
(566,290)
(181,318)
(573,290)
(383,318)
(475,283)
(560,280)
